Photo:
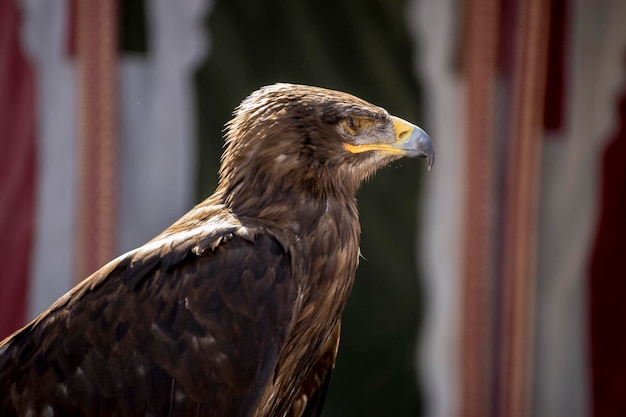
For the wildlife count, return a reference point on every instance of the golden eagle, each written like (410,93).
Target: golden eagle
(235,309)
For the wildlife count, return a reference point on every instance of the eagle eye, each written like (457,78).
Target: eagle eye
(353,124)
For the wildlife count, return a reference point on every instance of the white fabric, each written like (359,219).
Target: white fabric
(44,24)
(157,124)
(433,24)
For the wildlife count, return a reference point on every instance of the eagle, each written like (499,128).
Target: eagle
(235,309)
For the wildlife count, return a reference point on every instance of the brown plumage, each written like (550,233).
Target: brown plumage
(235,309)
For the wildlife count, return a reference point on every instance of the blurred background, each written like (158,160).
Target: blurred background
(491,286)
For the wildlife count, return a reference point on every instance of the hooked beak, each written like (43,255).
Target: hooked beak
(413,141)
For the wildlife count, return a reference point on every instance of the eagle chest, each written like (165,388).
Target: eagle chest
(332,251)
(315,332)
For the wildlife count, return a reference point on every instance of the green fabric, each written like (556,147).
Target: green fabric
(361,47)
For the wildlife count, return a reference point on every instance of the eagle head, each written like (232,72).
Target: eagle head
(286,139)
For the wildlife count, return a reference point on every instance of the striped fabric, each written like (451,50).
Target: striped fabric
(86,131)
(522,234)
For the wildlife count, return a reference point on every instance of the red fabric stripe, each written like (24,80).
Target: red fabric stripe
(607,280)
(522,172)
(17,170)
(97,49)
(480,48)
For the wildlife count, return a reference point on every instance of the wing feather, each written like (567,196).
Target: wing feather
(192,327)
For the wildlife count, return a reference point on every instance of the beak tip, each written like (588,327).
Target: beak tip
(425,147)
(430,158)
